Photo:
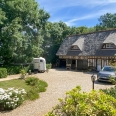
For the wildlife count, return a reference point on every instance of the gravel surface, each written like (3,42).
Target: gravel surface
(59,81)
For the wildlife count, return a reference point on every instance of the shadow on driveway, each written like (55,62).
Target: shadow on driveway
(102,83)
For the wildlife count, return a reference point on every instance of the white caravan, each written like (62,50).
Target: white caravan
(39,64)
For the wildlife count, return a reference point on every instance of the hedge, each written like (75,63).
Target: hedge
(3,72)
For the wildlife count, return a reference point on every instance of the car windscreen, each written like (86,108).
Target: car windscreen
(109,69)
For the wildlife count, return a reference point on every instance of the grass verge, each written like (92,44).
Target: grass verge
(31,90)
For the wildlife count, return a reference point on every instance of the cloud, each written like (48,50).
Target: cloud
(73,11)
(54,5)
(89,16)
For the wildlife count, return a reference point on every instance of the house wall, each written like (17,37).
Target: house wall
(86,64)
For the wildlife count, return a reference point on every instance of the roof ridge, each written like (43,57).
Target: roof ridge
(93,32)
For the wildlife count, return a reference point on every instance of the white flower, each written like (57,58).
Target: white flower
(7,102)
(12,102)
(23,91)
(5,97)
(2,91)
(15,99)
(16,91)
(19,92)
(1,97)
(10,93)
(11,89)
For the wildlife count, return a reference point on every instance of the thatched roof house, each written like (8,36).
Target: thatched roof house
(85,50)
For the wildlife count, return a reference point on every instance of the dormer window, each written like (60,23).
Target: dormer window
(75,47)
(108,46)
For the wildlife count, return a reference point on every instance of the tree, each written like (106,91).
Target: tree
(54,35)
(21,27)
(107,21)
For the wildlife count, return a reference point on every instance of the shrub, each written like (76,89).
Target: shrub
(41,86)
(48,66)
(11,98)
(13,69)
(37,86)
(76,103)
(31,81)
(111,91)
(3,72)
(32,94)
(113,80)
(23,73)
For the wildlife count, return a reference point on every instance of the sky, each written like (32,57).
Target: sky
(77,12)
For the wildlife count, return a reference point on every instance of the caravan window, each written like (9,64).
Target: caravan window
(41,60)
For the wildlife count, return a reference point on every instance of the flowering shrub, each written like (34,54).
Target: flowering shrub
(76,103)
(11,98)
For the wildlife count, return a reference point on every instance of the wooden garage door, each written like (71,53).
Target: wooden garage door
(82,64)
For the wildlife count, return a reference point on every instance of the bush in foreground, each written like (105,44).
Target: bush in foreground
(11,98)
(111,91)
(76,103)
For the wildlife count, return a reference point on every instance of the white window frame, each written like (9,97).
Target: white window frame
(109,45)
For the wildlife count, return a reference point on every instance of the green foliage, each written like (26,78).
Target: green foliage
(31,81)
(48,66)
(113,80)
(21,23)
(76,103)
(23,73)
(41,86)
(13,69)
(32,85)
(111,91)
(32,95)
(3,72)
(16,83)
(37,86)
(107,21)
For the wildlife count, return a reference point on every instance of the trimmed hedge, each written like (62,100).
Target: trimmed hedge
(15,69)
(3,72)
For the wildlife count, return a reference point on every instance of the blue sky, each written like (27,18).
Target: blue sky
(77,12)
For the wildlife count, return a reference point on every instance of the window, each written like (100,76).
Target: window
(109,45)
(74,47)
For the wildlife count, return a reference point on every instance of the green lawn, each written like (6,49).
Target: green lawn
(20,83)
(16,83)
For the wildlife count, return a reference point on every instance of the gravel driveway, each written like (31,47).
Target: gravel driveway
(59,81)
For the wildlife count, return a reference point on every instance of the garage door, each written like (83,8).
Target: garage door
(82,64)
(63,63)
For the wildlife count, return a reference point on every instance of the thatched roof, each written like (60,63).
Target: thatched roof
(79,43)
(89,44)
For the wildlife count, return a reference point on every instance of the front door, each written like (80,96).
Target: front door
(98,64)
